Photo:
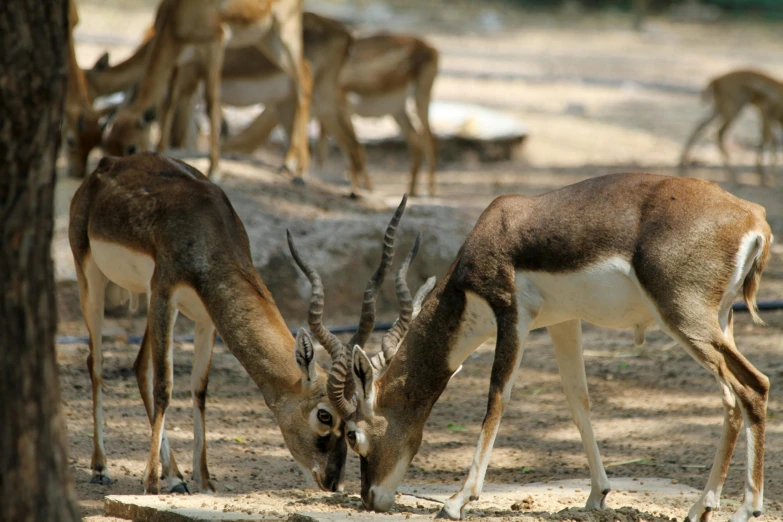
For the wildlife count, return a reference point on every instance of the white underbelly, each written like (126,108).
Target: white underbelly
(133,271)
(605,294)
(245,92)
(376,106)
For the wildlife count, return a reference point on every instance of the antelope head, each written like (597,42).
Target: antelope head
(130,132)
(385,449)
(340,391)
(82,135)
(379,435)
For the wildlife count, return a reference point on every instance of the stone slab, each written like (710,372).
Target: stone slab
(342,516)
(195,508)
(503,495)
(202,508)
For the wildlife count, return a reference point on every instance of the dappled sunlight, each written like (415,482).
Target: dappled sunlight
(596,98)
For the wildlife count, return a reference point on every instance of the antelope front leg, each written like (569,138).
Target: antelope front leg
(692,141)
(508,354)
(143,369)
(214,66)
(203,342)
(169,107)
(284,48)
(413,140)
(160,322)
(567,340)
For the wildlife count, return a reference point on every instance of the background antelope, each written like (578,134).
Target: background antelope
(274,27)
(82,127)
(729,94)
(622,251)
(248,78)
(126,227)
(377,77)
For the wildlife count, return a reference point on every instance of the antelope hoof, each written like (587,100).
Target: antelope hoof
(450,513)
(181,489)
(101,478)
(151,485)
(597,500)
(298,181)
(757,514)
(705,517)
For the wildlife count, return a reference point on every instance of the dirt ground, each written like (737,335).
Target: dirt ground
(598,98)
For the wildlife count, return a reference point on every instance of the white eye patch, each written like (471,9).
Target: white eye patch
(362,444)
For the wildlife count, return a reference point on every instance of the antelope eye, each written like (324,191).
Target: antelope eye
(71,142)
(325,417)
(352,437)
(131,150)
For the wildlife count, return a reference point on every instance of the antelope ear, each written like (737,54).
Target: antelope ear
(102,62)
(304,353)
(364,379)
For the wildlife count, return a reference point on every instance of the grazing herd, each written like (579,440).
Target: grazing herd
(620,251)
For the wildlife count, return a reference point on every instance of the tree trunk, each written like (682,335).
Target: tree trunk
(35,482)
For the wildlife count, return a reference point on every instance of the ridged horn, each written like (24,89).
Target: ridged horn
(400,327)
(316,312)
(367,320)
(336,389)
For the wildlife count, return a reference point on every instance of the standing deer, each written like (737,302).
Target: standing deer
(154,225)
(729,94)
(620,251)
(186,27)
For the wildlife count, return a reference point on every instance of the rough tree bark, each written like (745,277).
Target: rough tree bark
(35,482)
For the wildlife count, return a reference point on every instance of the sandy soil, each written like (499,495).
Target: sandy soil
(656,413)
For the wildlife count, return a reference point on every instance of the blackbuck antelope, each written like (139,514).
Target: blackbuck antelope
(621,251)
(187,27)
(729,94)
(155,225)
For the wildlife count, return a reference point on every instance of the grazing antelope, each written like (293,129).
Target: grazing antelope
(127,226)
(621,251)
(186,27)
(104,79)
(729,94)
(82,127)
(377,77)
